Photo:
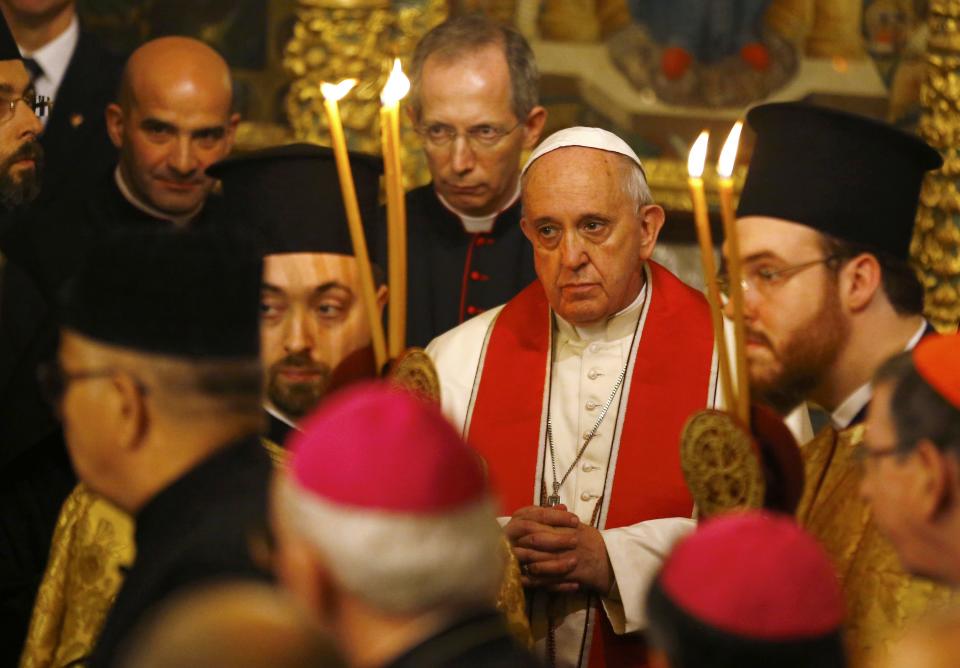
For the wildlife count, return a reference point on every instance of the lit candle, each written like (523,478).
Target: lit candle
(695,162)
(331,95)
(394,90)
(728,157)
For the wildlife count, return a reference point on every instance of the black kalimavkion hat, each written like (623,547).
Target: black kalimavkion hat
(288,199)
(851,177)
(183,294)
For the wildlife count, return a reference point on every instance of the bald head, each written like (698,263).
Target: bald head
(230,624)
(174,66)
(172,120)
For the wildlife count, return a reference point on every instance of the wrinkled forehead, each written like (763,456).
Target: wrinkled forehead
(308,271)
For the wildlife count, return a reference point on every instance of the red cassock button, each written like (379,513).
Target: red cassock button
(472,310)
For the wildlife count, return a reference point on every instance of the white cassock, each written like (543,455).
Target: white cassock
(586,364)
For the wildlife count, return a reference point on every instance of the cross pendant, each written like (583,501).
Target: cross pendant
(554,499)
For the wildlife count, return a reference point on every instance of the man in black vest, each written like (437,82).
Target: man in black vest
(474,102)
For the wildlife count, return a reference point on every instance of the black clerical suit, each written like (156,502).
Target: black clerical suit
(44,248)
(197,529)
(453,274)
(75,141)
(481,640)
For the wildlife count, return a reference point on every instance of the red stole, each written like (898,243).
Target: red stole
(670,381)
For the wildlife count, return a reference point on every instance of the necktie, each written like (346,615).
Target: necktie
(33,67)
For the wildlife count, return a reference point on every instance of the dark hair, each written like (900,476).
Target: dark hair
(689,643)
(918,411)
(900,283)
(467,34)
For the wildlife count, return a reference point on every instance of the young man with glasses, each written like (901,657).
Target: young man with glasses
(825,221)
(474,102)
(910,457)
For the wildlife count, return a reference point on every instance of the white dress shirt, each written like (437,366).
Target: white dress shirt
(54,58)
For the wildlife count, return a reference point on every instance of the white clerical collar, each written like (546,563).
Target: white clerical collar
(620,324)
(479,224)
(127,192)
(54,57)
(850,407)
(275,412)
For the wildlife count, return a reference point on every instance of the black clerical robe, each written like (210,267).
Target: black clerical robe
(199,528)
(480,640)
(453,274)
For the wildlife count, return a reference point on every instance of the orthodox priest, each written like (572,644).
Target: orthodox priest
(828,297)
(314,331)
(556,389)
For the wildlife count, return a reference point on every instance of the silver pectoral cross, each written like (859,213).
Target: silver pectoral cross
(554,499)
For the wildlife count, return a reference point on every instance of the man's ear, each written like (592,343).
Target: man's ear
(133,415)
(231,136)
(860,279)
(935,479)
(533,127)
(383,292)
(114,119)
(652,218)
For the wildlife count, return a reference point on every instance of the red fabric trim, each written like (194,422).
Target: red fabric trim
(670,381)
(465,281)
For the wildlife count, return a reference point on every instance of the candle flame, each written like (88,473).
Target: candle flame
(698,155)
(336,92)
(397,86)
(728,156)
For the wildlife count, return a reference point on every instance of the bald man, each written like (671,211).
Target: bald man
(172,119)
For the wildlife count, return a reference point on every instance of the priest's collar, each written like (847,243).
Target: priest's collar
(136,202)
(619,325)
(853,405)
(275,412)
(479,224)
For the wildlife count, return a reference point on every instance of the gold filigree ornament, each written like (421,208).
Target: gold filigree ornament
(720,464)
(414,371)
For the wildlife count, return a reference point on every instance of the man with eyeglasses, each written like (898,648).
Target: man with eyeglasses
(474,103)
(70,65)
(910,457)
(158,383)
(35,474)
(825,221)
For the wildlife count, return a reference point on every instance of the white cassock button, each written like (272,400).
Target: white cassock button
(593,374)
(590,405)
(586,496)
(587,468)
(594,347)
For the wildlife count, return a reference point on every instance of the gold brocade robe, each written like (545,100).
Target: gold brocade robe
(881,597)
(93,540)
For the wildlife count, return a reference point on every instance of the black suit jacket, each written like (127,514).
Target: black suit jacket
(198,529)
(75,142)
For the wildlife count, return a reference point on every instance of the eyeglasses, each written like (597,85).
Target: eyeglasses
(54,380)
(763,278)
(439,135)
(39,104)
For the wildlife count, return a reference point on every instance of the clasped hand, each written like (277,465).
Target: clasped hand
(557,552)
